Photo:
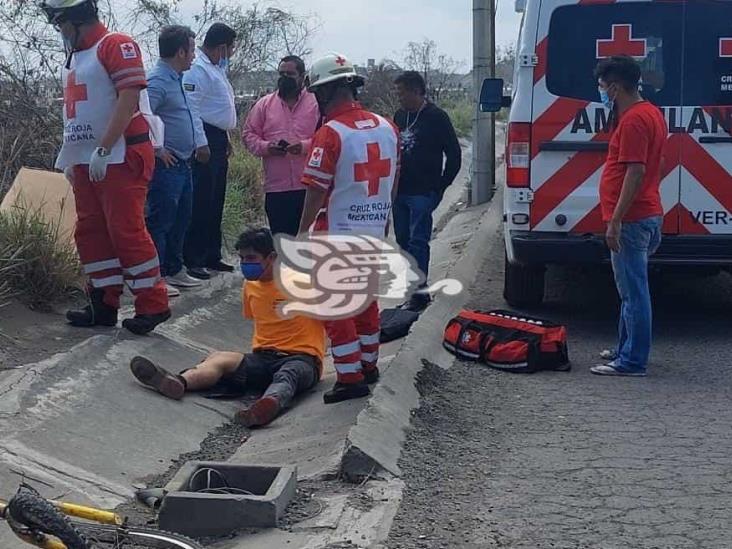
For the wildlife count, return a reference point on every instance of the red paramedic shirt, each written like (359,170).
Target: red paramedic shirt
(122,58)
(639,138)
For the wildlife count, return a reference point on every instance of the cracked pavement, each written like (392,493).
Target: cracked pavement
(558,460)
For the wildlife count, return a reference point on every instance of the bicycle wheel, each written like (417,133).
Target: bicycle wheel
(29,510)
(118,537)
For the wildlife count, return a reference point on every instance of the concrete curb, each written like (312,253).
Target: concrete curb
(374,444)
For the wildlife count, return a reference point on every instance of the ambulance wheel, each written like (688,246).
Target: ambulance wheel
(523,285)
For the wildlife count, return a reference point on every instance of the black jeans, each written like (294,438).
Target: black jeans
(203,241)
(277,374)
(284,211)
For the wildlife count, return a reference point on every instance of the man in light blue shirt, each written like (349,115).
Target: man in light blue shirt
(170,196)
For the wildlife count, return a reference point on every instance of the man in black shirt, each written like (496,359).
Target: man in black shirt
(428,138)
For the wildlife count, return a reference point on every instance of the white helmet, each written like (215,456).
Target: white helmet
(331,68)
(59,10)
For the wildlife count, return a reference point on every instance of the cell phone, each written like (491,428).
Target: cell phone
(283,144)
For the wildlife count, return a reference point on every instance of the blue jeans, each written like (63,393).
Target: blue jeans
(169,210)
(413,226)
(638,241)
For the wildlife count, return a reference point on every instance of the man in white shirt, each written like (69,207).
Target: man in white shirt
(211,97)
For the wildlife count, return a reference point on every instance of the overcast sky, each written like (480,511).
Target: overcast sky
(380,29)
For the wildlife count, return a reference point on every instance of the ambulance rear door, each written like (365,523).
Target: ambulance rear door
(570,128)
(704,139)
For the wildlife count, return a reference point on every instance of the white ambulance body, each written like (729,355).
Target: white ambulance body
(558,131)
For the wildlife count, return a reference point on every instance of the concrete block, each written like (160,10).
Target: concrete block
(188,511)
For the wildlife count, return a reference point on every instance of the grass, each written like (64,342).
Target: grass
(37,264)
(461,113)
(244,195)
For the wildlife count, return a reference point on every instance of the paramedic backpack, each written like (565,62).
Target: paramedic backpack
(508,341)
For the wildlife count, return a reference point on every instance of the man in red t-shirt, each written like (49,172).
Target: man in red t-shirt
(108,157)
(631,206)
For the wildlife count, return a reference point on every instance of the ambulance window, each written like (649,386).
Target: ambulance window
(580,35)
(708,55)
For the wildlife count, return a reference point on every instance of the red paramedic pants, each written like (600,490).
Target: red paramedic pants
(114,245)
(355,344)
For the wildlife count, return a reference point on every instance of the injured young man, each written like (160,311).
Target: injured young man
(287,353)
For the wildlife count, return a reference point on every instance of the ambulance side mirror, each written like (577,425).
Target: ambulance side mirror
(491,95)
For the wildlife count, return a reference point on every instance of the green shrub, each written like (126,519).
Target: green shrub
(37,264)
(461,113)
(244,195)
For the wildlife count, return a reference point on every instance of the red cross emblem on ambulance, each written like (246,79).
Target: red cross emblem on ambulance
(725,47)
(622,43)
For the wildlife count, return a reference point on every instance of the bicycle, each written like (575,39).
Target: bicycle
(44,524)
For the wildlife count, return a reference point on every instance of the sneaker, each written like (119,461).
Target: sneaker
(220,267)
(199,273)
(157,379)
(144,324)
(608,355)
(262,412)
(613,369)
(183,280)
(342,392)
(371,376)
(172,291)
(97,313)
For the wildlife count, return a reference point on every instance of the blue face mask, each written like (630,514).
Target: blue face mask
(224,63)
(605,99)
(252,271)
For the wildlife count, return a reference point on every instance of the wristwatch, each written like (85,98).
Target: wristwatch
(102,152)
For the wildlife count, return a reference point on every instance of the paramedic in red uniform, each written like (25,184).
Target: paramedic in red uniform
(353,164)
(631,206)
(108,157)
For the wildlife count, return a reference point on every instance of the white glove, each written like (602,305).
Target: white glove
(98,164)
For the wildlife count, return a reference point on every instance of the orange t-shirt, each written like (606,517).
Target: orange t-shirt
(297,335)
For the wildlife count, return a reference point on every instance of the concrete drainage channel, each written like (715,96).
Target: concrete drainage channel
(324,511)
(359,440)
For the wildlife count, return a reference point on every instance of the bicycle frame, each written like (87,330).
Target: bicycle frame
(44,541)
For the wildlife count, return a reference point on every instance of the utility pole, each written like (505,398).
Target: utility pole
(484,124)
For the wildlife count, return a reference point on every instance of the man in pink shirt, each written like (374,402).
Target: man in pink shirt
(279,129)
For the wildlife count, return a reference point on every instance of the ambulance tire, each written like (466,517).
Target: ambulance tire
(523,285)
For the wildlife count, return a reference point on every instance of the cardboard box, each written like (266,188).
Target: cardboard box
(46,191)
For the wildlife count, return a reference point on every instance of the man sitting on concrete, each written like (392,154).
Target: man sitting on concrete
(287,354)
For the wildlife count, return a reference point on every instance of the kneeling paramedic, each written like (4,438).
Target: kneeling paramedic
(108,157)
(353,166)
(287,353)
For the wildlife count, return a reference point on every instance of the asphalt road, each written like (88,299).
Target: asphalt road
(572,460)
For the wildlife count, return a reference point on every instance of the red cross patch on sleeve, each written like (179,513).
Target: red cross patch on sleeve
(316,158)
(128,50)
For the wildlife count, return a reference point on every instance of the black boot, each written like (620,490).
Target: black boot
(342,392)
(144,324)
(97,313)
(372,376)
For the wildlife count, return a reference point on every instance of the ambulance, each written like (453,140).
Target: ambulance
(558,132)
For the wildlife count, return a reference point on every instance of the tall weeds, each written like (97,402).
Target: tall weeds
(38,265)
